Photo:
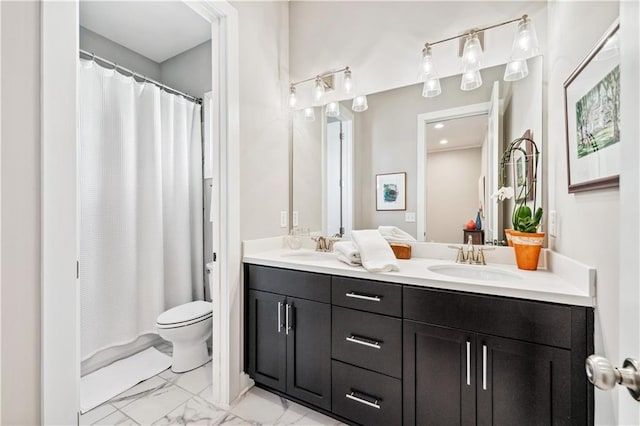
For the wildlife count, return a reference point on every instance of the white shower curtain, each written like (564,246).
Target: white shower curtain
(140,191)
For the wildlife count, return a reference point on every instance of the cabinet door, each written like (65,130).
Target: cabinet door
(309,351)
(267,339)
(522,383)
(439,386)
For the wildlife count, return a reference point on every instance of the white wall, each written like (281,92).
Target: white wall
(588,225)
(451,206)
(264,117)
(114,52)
(20,225)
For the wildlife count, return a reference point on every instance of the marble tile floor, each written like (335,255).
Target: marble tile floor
(186,399)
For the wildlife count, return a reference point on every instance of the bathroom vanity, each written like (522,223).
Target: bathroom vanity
(415,347)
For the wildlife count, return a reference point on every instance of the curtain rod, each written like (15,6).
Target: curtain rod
(124,70)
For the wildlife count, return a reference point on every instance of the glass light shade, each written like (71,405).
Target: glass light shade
(309,114)
(427,69)
(516,70)
(525,43)
(318,91)
(347,82)
(293,100)
(332,109)
(472,55)
(359,103)
(431,88)
(471,80)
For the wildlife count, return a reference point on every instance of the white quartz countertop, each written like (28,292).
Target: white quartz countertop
(542,285)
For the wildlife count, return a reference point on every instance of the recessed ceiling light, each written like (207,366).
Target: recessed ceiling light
(438,126)
(444,142)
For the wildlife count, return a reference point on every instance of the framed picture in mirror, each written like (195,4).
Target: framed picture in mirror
(592,117)
(391,191)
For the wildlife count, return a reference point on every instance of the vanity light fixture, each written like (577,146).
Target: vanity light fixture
(525,45)
(444,142)
(322,83)
(309,114)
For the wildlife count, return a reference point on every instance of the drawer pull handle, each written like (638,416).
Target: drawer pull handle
(468,363)
(363,342)
(484,367)
(279,316)
(364,297)
(363,401)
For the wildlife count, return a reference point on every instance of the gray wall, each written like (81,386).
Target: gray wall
(385,142)
(452,193)
(20,213)
(114,52)
(190,71)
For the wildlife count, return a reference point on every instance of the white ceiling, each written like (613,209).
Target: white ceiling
(462,133)
(158,30)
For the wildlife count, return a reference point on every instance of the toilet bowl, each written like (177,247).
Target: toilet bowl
(188,327)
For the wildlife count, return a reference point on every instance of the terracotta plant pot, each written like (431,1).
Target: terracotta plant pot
(527,247)
(507,233)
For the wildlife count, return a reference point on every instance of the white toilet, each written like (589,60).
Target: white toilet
(187,327)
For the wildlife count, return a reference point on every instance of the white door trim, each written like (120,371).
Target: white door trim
(421,144)
(60,293)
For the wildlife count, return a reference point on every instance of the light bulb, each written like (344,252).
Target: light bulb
(309,114)
(427,68)
(431,88)
(472,55)
(332,109)
(293,100)
(516,70)
(318,90)
(347,82)
(525,43)
(359,103)
(471,80)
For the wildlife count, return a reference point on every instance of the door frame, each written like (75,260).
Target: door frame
(421,144)
(60,374)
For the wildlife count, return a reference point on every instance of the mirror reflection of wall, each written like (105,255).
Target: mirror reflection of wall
(385,141)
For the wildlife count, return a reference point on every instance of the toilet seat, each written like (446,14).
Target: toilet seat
(186,314)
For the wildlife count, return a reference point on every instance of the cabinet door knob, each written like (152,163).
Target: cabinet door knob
(605,376)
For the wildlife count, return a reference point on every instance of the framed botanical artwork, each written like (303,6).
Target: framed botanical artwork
(592,117)
(391,191)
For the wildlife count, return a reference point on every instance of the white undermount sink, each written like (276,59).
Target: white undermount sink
(475,272)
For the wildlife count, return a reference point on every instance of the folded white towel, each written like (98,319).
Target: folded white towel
(351,262)
(348,250)
(375,251)
(393,233)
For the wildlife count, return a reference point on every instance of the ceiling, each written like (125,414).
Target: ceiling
(461,133)
(158,30)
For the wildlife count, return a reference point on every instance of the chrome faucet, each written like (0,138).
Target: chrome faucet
(471,256)
(323,243)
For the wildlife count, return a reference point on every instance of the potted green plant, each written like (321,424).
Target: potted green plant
(525,218)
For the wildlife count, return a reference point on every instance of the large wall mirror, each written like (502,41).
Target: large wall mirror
(336,159)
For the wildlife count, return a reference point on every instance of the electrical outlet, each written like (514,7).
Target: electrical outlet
(410,217)
(295,218)
(553,223)
(283,219)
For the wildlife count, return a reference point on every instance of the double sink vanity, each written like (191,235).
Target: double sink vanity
(435,343)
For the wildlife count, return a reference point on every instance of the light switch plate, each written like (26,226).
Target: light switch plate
(410,217)
(283,219)
(295,218)
(553,223)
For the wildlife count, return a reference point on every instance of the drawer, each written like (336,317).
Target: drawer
(305,285)
(365,295)
(536,322)
(365,397)
(367,340)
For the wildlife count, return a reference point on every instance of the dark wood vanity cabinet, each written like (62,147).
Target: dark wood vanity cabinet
(289,338)
(371,352)
(473,359)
